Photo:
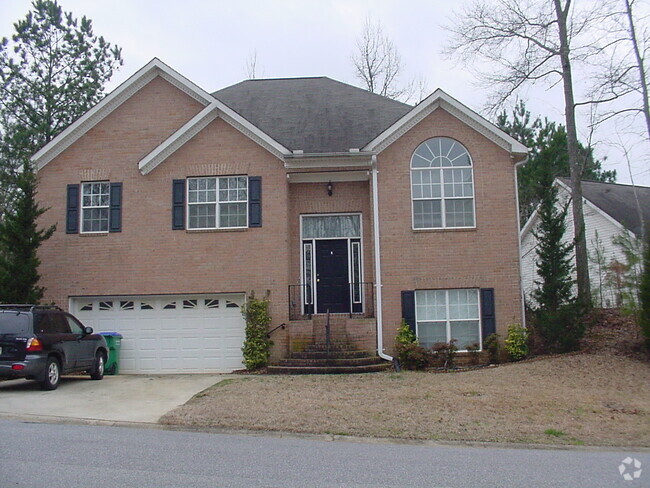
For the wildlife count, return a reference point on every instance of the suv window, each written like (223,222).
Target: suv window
(75,326)
(59,325)
(42,324)
(12,322)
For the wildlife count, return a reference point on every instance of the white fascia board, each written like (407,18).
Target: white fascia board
(177,139)
(113,100)
(197,124)
(328,160)
(327,176)
(440,99)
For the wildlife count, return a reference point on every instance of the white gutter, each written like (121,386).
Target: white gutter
(521,277)
(378,285)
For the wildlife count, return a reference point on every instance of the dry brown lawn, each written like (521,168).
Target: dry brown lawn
(591,399)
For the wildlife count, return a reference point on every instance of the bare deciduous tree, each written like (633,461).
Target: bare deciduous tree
(250,68)
(377,62)
(528,41)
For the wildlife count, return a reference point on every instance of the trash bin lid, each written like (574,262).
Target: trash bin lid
(113,334)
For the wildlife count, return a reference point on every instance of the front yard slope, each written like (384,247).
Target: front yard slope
(590,399)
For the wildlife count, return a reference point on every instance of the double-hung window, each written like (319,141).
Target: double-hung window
(442,186)
(442,315)
(217,202)
(95,205)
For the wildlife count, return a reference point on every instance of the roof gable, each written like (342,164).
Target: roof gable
(112,101)
(618,202)
(440,99)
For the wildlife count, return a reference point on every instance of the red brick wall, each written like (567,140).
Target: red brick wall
(485,257)
(148,257)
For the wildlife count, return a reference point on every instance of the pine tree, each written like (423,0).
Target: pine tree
(554,256)
(51,72)
(20,239)
(558,319)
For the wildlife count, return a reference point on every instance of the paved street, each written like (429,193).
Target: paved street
(58,456)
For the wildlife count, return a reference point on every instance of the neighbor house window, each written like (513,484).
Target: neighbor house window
(95,205)
(442,315)
(442,187)
(214,203)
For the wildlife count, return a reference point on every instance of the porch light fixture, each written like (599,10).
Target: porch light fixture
(330,188)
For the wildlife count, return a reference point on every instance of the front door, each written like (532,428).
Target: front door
(332,278)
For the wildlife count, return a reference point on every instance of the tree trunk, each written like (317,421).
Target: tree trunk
(582,263)
(640,65)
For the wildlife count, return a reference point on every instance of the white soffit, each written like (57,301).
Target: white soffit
(440,99)
(327,176)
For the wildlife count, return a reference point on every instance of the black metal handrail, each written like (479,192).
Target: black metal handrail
(281,326)
(361,304)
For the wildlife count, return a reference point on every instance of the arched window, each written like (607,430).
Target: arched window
(442,185)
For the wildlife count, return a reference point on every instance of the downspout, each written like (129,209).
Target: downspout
(521,277)
(378,285)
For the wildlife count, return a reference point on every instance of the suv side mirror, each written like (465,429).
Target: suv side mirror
(88,330)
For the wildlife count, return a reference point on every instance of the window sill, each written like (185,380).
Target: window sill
(208,231)
(93,234)
(450,229)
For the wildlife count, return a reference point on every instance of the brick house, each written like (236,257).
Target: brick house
(174,204)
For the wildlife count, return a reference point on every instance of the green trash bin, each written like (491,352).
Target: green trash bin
(114,342)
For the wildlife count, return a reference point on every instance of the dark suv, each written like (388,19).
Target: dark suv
(43,342)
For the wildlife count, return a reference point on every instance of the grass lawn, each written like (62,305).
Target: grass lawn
(590,399)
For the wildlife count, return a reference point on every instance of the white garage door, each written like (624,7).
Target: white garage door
(170,334)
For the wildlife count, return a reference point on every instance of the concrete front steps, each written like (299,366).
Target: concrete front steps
(342,359)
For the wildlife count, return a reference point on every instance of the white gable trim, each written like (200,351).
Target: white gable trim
(127,89)
(440,99)
(199,122)
(112,101)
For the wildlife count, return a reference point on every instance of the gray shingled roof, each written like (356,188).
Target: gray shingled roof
(316,115)
(618,202)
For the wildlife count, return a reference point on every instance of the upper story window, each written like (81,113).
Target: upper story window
(442,185)
(95,205)
(217,202)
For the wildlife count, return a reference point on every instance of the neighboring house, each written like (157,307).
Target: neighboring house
(174,204)
(610,211)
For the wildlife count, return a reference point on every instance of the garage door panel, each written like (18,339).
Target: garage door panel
(179,334)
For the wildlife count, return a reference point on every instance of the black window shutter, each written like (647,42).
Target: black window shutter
(488,321)
(178,205)
(115,218)
(255,201)
(72,210)
(408,308)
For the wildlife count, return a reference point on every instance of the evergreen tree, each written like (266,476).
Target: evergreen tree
(53,71)
(554,257)
(20,239)
(549,152)
(557,318)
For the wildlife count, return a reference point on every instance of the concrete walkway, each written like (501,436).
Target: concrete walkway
(121,398)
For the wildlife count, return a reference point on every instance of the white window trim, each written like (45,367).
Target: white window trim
(217,203)
(447,320)
(83,207)
(442,190)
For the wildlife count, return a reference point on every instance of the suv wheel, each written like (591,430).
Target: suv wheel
(52,374)
(98,367)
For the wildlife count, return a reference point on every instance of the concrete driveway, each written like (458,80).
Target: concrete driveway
(121,398)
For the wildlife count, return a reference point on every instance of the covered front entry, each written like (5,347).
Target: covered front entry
(331,263)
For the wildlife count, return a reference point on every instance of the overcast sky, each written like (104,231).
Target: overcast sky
(210,41)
